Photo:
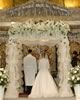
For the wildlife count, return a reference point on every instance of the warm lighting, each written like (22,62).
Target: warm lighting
(5,4)
(66,3)
(57,2)
(71,3)
(1,7)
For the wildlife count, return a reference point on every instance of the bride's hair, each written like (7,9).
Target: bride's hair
(43,54)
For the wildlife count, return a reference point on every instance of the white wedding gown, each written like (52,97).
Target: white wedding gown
(44,85)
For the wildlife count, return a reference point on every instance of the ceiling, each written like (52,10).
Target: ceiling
(65,3)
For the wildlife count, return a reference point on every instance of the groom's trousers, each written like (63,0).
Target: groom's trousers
(28,89)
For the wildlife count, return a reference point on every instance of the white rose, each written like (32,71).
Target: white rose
(71,69)
(78,66)
(75,71)
(0,73)
(78,78)
(1,79)
(73,77)
(1,69)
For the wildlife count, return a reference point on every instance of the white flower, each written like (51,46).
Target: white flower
(78,78)
(71,69)
(58,28)
(1,79)
(1,69)
(4,71)
(73,77)
(75,71)
(0,73)
(78,66)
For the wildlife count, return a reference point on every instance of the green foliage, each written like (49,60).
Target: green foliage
(3,77)
(74,75)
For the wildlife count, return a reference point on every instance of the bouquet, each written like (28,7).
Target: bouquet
(74,75)
(3,77)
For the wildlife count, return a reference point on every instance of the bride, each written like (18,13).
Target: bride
(44,85)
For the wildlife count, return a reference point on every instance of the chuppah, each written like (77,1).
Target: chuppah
(32,33)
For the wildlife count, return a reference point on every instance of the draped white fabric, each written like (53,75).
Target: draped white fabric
(13,60)
(63,67)
(44,85)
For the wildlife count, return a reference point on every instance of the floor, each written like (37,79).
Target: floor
(24,98)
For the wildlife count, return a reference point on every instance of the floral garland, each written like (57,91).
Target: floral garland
(39,30)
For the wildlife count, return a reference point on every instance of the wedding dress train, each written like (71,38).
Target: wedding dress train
(44,85)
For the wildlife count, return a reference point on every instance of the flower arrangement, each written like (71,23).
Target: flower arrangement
(3,77)
(39,30)
(74,75)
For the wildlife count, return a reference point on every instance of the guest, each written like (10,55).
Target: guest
(74,58)
(74,63)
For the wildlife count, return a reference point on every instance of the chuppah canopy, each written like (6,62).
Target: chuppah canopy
(37,32)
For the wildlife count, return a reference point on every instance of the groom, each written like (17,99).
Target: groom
(30,70)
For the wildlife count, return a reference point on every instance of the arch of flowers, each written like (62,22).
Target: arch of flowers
(36,32)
